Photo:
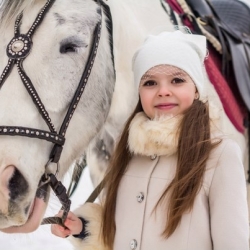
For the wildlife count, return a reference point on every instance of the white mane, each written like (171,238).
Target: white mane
(10,9)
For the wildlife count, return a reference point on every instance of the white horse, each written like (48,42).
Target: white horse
(61,45)
(60,50)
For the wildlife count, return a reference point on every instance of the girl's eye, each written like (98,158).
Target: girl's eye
(149,83)
(177,80)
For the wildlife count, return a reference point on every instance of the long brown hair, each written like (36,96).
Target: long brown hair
(194,147)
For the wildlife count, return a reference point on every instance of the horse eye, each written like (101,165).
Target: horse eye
(68,48)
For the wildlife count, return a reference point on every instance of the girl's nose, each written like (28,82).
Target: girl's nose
(164,90)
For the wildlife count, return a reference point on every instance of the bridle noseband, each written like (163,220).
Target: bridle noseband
(17,50)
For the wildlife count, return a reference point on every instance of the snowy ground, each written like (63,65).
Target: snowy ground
(42,238)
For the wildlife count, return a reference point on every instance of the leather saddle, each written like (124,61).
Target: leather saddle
(229,22)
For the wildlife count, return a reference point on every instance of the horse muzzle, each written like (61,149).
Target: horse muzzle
(19,211)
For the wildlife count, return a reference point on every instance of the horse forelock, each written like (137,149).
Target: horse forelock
(11,8)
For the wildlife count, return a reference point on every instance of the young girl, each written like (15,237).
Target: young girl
(174,182)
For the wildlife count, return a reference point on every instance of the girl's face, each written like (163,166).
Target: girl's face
(166,89)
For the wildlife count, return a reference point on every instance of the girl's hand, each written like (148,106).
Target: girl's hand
(73,225)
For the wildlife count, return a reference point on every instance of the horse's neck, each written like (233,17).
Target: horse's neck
(134,20)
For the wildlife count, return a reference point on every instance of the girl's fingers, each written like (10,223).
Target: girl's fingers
(60,231)
(71,216)
(74,225)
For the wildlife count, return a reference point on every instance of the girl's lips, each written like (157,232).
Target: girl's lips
(166,106)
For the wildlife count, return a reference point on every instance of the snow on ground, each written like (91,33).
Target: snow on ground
(42,238)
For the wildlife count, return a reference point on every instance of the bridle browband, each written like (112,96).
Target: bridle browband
(17,50)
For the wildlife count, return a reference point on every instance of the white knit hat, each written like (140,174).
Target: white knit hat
(185,51)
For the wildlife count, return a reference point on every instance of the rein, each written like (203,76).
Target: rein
(17,50)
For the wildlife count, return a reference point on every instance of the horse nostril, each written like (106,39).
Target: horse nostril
(17,185)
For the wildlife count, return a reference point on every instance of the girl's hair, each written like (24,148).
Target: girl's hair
(194,147)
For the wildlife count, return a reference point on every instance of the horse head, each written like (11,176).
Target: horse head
(60,49)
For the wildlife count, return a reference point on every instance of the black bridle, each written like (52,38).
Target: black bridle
(17,50)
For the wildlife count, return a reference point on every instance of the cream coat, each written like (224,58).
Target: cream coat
(218,220)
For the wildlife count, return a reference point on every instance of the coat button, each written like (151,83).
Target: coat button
(133,244)
(140,197)
(153,157)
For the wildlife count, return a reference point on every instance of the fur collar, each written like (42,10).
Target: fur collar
(158,136)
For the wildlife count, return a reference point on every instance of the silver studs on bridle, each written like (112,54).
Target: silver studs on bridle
(17,50)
